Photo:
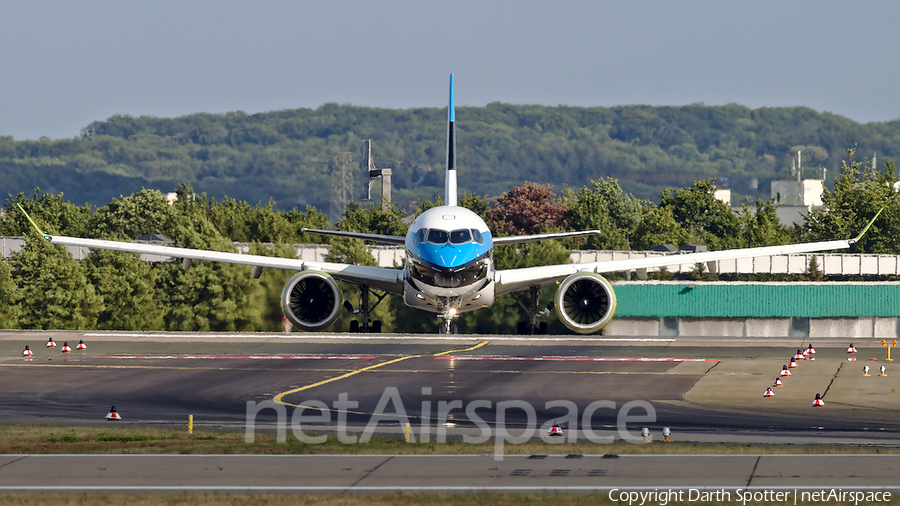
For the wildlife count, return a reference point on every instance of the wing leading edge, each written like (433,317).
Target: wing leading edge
(381,278)
(513,280)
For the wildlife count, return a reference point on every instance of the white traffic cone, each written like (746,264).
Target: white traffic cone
(851,359)
(556,430)
(769,393)
(799,355)
(883,371)
(785,372)
(65,348)
(81,345)
(50,343)
(792,364)
(851,349)
(866,371)
(818,401)
(778,383)
(811,350)
(113,415)
(27,352)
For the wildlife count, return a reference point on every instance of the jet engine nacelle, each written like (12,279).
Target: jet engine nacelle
(311,300)
(585,302)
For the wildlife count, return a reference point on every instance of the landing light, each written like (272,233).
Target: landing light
(420,296)
(452,311)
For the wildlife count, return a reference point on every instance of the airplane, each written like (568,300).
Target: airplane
(449,269)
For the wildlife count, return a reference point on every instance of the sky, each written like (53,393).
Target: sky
(65,64)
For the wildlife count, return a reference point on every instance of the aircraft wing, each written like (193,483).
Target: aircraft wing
(388,239)
(381,278)
(512,280)
(519,239)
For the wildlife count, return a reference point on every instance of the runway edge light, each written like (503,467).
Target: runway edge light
(769,393)
(51,343)
(818,401)
(27,352)
(851,349)
(81,345)
(113,415)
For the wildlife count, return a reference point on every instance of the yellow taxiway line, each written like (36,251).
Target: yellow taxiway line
(280,397)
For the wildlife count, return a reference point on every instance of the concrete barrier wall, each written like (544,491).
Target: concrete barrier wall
(851,328)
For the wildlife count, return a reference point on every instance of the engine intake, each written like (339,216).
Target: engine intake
(585,302)
(311,300)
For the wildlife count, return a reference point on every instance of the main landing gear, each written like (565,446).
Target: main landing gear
(363,325)
(531,303)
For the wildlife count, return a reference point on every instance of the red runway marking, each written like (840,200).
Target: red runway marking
(245,357)
(583,359)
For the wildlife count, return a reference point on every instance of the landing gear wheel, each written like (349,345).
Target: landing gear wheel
(376,327)
(442,329)
(354,326)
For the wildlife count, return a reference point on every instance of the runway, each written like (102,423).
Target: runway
(704,389)
(610,475)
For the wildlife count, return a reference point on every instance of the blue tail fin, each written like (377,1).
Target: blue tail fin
(450,181)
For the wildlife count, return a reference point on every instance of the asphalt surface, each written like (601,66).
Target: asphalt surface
(704,389)
(742,477)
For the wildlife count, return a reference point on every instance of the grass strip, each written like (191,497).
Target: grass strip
(42,439)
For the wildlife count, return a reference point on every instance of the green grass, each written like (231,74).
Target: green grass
(36,439)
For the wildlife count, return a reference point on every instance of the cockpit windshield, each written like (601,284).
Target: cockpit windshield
(436,236)
(460,237)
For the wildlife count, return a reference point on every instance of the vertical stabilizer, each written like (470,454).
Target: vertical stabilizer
(450,181)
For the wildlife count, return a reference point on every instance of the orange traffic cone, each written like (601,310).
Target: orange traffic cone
(778,383)
(792,364)
(65,348)
(851,349)
(769,393)
(785,372)
(27,352)
(818,401)
(81,345)
(113,415)
(556,430)
(50,343)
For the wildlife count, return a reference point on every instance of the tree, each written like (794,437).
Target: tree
(53,214)
(53,288)
(605,207)
(126,286)
(859,193)
(698,210)
(658,226)
(145,212)
(11,296)
(527,209)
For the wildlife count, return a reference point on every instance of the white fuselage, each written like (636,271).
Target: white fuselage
(449,268)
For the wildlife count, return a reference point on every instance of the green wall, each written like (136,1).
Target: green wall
(649,299)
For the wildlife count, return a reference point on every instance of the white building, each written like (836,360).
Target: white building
(797,197)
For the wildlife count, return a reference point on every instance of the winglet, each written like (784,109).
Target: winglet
(857,238)
(33,224)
